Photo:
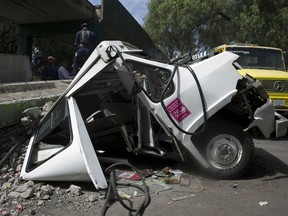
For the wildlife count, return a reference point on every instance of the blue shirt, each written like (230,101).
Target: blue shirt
(63,73)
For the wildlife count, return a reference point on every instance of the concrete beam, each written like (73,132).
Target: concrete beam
(16,97)
(35,11)
(119,24)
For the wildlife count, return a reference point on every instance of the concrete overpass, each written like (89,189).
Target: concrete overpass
(62,18)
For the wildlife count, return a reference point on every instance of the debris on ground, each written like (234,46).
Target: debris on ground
(11,137)
(74,190)
(28,197)
(158,181)
(172,180)
(185,181)
(263,203)
(128,175)
(235,185)
(183,197)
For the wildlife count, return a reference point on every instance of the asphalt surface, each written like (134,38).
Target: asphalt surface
(262,191)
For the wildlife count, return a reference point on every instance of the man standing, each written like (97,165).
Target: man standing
(85,38)
(80,58)
(85,43)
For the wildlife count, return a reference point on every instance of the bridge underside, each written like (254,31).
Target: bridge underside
(35,11)
(62,18)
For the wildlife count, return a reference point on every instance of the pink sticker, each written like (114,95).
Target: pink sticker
(178,110)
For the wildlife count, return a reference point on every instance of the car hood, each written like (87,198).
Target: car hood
(265,74)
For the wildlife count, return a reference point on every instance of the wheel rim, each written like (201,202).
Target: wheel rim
(224,151)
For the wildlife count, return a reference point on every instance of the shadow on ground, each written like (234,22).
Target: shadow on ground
(266,164)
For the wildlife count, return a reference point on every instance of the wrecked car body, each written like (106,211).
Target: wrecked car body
(122,98)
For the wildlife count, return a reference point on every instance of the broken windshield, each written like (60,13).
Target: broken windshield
(153,79)
(52,136)
(260,58)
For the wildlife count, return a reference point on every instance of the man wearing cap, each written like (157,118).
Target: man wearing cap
(49,72)
(85,43)
(85,38)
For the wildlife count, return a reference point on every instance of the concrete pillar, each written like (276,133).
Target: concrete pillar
(25,42)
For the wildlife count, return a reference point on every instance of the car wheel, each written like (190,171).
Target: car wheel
(226,147)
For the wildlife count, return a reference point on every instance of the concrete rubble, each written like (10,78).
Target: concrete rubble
(27,197)
(18,197)
(11,137)
(17,97)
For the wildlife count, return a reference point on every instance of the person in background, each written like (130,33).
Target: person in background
(85,38)
(63,71)
(50,71)
(85,43)
(80,58)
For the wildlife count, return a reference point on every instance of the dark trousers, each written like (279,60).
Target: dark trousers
(80,58)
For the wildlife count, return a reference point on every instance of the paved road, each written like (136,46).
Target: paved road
(266,183)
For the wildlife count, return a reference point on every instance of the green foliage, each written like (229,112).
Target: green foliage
(42,47)
(8,36)
(59,49)
(190,25)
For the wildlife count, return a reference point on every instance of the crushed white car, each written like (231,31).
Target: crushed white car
(122,98)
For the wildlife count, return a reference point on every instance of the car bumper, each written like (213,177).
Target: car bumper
(269,121)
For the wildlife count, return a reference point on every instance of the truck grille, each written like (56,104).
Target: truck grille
(280,86)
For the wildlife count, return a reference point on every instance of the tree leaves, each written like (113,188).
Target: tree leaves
(189,25)
(8,36)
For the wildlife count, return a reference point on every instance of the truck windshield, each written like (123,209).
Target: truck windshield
(260,58)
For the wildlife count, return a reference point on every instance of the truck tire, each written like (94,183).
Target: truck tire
(226,147)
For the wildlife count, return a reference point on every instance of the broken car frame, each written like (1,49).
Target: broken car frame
(121,98)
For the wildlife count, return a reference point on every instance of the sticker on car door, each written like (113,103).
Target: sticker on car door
(178,110)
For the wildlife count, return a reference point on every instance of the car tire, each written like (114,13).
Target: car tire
(226,147)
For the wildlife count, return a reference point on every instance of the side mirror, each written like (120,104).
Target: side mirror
(128,81)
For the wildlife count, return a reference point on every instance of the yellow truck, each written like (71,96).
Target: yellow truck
(265,64)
